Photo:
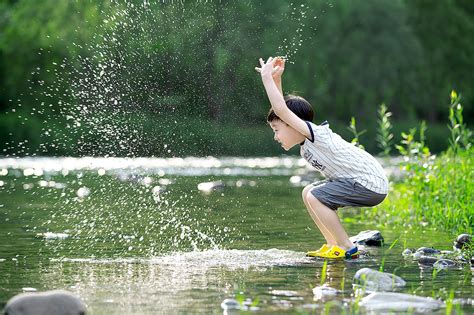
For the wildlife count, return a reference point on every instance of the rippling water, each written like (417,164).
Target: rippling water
(181,235)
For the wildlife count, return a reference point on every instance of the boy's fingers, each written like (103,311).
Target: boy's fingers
(261,62)
(258,69)
(269,59)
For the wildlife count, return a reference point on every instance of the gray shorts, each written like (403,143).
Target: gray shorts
(344,192)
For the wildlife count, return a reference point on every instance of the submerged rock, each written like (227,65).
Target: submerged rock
(230,304)
(45,303)
(324,292)
(428,251)
(373,280)
(369,237)
(444,263)
(427,260)
(399,302)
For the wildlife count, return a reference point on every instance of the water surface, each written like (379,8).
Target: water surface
(138,236)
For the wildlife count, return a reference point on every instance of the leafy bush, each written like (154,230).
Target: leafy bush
(435,191)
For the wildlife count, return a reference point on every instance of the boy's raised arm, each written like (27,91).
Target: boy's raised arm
(280,64)
(276,98)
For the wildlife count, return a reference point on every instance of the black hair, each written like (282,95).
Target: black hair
(298,105)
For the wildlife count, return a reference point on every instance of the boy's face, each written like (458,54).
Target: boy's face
(286,135)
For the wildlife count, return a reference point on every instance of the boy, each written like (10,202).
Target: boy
(355,178)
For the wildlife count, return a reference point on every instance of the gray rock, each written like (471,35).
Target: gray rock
(444,263)
(323,292)
(462,240)
(369,237)
(56,302)
(407,252)
(230,304)
(399,302)
(373,280)
(427,260)
(428,251)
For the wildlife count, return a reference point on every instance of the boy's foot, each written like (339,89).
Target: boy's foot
(315,253)
(337,252)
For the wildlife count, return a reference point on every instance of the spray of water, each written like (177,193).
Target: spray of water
(103,103)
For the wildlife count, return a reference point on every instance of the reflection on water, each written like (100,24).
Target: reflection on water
(144,236)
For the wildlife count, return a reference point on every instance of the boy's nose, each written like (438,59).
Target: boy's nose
(275,138)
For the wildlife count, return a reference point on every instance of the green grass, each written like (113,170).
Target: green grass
(436,191)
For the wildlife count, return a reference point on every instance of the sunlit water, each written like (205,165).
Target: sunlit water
(150,236)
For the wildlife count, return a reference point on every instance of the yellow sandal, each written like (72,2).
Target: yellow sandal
(336,252)
(316,253)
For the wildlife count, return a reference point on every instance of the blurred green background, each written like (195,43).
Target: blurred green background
(176,78)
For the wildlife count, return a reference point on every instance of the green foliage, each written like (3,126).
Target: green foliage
(412,149)
(384,131)
(356,134)
(324,272)
(436,191)
(460,134)
(344,57)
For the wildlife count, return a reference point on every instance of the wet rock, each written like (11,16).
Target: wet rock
(399,302)
(323,292)
(407,252)
(444,264)
(230,304)
(45,303)
(427,260)
(428,251)
(208,187)
(462,240)
(29,289)
(417,255)
(373,280)
(369,237)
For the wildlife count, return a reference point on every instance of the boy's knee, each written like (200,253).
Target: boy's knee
(306,192)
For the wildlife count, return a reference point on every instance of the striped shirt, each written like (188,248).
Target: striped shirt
(334,157)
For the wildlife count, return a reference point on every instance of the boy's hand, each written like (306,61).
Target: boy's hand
(268,69)
(279,62)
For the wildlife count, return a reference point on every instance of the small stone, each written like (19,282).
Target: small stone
(417,255)
(385,302)
(462,240)
(407,252)
(230,304)
(323,292)
(428,251)
(45,303)
(444,264)
(374,280)
(369,237)
(427,260)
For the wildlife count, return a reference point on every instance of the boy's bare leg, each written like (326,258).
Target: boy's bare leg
(329,222)
(330,240)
